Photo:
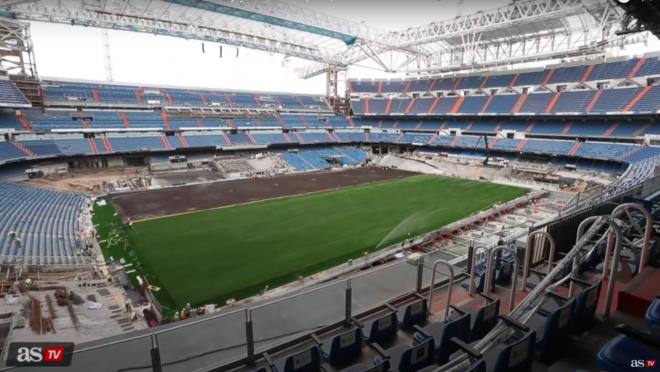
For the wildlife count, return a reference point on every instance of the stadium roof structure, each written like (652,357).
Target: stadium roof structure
(525,30)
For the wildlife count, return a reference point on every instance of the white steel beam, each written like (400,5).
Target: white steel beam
(158,17)
(468,40)
(513,16)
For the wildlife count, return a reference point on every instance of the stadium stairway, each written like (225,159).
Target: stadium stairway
(611,129)
(299,138)
(107,145)
(631,105)
(182,140)
(24,149)
(124,119)
(227,139)
(24,122)
(92,146)
(166,120)
(575,149)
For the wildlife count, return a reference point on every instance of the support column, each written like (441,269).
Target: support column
(156,364)
(336,82)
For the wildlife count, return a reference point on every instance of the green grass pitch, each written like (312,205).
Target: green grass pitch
(214,255)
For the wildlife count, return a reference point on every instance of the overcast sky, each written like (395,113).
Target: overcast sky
(76,52)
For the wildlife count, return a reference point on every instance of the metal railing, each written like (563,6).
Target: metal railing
(219,339)
(634,176)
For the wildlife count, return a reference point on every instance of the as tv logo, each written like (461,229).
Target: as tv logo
(643,363)
(40,354)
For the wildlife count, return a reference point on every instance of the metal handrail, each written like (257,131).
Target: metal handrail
(648,228)
(472,267)
(530,249)
(451,285)
(489,274)
(616,246)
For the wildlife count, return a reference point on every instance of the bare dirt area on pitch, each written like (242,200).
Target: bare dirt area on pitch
(187,199)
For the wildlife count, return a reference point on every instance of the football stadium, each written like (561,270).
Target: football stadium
(306,186)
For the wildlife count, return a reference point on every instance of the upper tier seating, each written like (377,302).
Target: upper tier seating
(147,131)
(604,151)
(355,136)
(103,94)
(615,99)
(45,120)
(536,102)
(267,138)
(631,100)
(11,96)
(550,75)
(133,144)
(575,101)
(9,152)
(8,120)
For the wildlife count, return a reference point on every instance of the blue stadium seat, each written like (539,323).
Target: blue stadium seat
(308,360)
(586,303)
(552,326)
(620,352)
(484,318)
(414,313)
(479,275)
(381,329)
(497,81)
(45,222)
(515,355)
(652,316)
(407,358)
(11,96)
(457,325)
(530,78)
(342,348)
(9,152)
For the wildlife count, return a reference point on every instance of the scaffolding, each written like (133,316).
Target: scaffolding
(16,51)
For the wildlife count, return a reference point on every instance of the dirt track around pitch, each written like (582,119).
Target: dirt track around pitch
(151,204)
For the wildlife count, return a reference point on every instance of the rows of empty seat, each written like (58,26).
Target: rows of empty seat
(9,152)
(11,96)
(38,226)
(58,92)
(621,69)
(52,119)
(573,128)
(48,120)
(315,159)
(71,144)
(639,100)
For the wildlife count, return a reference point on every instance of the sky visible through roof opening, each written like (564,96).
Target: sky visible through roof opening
(76,52)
